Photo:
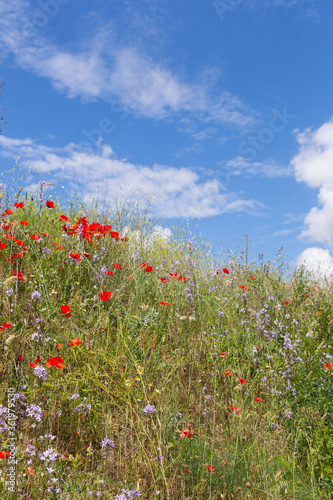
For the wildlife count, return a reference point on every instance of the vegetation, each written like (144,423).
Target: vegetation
(133,365)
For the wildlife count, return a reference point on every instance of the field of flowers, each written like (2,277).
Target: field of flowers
(134,366)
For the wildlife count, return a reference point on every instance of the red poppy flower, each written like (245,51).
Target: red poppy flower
(5,325)
(173,275)
(49,204)
(243,287)
(35,237)
(19,357)
(130,278)
(19,205)
(20,276)
(33,365)
(165,303)
(30,471)
(8,212)
(110,273)
(59,346)
(328,366)
(3,454)
(164,280)
(124,238)
(228,373)
(252,277)
(75,256)
(143,265)
(225,270)
(105,296)
(235,409)
(223,354)
(75,342)
(242,381)
(259,400)
(186,471)
(186,432)
(114,234)
(66,310)
(211,468)
(3,245)
(285,303)
(55,361)
(149,269)
(24,223)
(19,243)
(117,266)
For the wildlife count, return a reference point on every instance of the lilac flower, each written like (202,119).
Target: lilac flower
(149,409)
(75,396)
(53,489)
(40,372)
(48,455)
(39,320)
(288,414)
(34,411)
(133,493)
(36,336)
(10,292)
(30,449)
(121,496)
(106,442)
(83,407)
(36,295)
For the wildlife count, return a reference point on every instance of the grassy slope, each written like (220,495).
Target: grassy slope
(136,352)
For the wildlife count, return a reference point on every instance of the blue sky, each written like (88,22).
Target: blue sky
(222,109)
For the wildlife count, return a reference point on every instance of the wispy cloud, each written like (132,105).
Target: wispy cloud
(104,69)
(177,192)
(240,166)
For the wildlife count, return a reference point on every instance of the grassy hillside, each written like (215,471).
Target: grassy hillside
(134,366)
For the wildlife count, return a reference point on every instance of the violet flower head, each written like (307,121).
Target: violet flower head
(149,409)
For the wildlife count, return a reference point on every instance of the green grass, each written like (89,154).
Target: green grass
(134,352)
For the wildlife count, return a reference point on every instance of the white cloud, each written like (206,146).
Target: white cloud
(179,192)
(112,72)
(240,166)
(317,260)
(313,165)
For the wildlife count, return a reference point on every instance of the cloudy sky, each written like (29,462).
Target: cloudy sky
(221,109)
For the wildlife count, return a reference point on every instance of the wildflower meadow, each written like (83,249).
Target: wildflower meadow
(138,366)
